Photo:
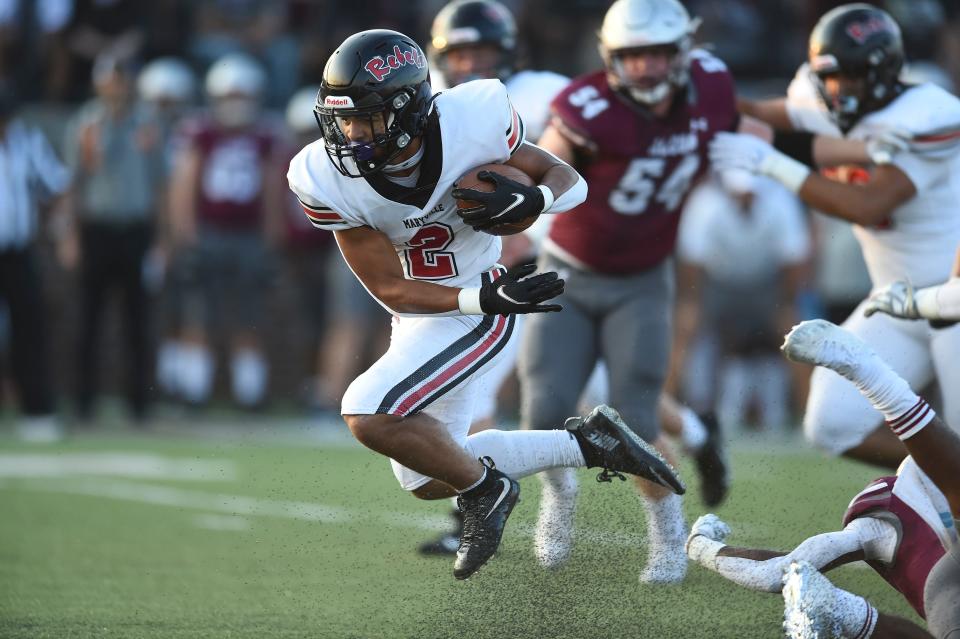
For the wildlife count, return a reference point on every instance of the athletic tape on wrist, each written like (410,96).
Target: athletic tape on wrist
(785,170)
(468,301)
(548,197)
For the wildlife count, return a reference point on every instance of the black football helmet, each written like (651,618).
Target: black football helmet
(471,22)
(374,74)
(857,40)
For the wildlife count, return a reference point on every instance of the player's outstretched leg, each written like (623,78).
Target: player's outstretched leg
(607,442)
(485,510)
(816,609)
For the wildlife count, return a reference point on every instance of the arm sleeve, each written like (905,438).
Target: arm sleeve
(320,214)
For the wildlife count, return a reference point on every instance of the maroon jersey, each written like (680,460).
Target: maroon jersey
(640,168)
(919,549)
(230,185)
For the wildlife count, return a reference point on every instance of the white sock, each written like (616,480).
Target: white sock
(733,395)
(195,373)
(665,524)
(248,377)
(520,453)
(168,365)
(693,433)
(562,482)
(906,413)
(857,617)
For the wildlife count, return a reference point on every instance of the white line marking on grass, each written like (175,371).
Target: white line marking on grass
(139,465)
(221,522)
(237,505)
(199,500)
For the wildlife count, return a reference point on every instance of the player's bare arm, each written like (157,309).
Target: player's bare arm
(373,260)
(773,111)
(546,170)
(861,204)
(760,569)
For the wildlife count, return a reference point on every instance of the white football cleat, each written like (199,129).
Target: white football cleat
(809,610)
(825,344)
(553,535)
(666,563)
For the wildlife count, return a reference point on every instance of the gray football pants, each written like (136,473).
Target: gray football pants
(625,321)
(941,596)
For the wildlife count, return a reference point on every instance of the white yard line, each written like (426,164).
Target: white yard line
(138,465)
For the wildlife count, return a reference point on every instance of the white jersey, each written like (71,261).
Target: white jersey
(531,92)
(475,124)
(917,491)
(920,239)
(743,247)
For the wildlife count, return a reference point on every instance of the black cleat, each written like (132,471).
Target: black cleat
(607,442)
(712,465)
(446,543)
(485,510)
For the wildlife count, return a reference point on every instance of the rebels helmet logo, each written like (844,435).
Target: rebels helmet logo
(380,68)
(860,31)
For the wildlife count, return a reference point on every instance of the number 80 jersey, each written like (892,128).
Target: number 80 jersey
(640,168)
(470,125)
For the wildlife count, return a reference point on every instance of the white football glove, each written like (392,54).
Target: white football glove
(750,153)
(885,142)
(711,527)
(897,299)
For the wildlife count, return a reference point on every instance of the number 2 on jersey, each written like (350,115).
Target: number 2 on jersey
(426,259)
(638,185)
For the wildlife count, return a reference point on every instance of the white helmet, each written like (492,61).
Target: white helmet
(166,79)
(633,24)
(300,116)
(235,74)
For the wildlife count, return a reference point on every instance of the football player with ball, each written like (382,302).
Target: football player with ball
(382,179)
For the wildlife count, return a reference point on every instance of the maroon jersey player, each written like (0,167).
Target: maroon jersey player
(638,131)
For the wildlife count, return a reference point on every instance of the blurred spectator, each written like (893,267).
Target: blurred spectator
(115,147)
(167,87)
(226,207)
(32,46)
(101,29)
(743,245)
(29,172)
(257,27)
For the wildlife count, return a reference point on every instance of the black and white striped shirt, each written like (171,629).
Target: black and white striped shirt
(29,172)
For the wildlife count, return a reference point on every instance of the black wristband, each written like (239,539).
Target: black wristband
(796,144)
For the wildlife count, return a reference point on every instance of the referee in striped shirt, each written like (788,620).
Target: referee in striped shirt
(30,174)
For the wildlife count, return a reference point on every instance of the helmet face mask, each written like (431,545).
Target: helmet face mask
(480,34)
(856,54)
(643,87)
(654,33)
(373,101)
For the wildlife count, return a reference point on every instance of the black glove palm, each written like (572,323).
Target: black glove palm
(511,293)
(509,202)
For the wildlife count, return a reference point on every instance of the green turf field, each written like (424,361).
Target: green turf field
(248,536)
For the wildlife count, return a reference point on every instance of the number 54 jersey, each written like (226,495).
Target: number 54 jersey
(470,125)
(640,168)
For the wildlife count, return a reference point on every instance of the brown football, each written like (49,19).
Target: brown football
(470,181)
